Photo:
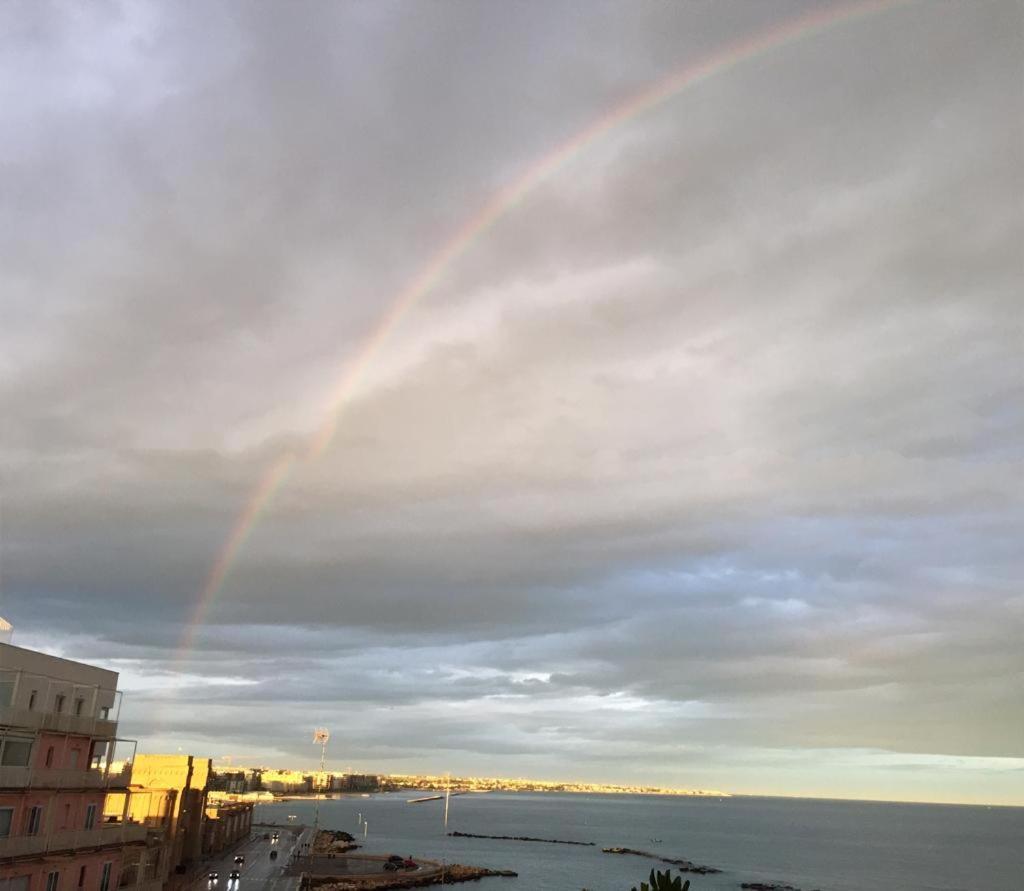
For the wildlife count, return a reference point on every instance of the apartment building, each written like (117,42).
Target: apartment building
(184,780)
(287,782)
(231,781)
(58,732)
(226,824)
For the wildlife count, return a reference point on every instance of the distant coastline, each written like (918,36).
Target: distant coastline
(506,784)
(457,787)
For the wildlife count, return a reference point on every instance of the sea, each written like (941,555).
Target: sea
(806,843)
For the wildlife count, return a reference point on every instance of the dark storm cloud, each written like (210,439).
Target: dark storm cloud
(707,453)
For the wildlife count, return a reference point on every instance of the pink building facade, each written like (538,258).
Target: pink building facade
(58,731)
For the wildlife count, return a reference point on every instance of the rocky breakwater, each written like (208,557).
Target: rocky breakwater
(453,874)
(329,842)
(679,863)
(767,886)
(525,838)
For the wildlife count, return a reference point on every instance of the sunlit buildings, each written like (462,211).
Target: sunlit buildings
(225,823)
(196,827)
(287,781)
(185,777)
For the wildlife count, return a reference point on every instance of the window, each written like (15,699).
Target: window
(6,818)
(52,879)
(32,699)
(90,816)
(18,883)
(33,820)
(105,876)
(58,703)
(16,752)
(79,703)
(6,692)
(74,758)
(97,752)
(105,712)
(49,757)
(67,816)
(81,877)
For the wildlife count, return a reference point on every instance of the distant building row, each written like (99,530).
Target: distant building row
(289,782)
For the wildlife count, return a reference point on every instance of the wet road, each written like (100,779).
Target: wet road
(259,872)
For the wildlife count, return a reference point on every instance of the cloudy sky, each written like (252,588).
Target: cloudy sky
(700,466)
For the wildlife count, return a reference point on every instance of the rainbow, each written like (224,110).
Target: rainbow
(259,501)
(680,80)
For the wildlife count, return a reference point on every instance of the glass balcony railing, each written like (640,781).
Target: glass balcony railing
(86,725)
(71,839)
(43,702)
(49,778)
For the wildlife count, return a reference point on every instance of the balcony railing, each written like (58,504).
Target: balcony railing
(72,839)
(86,725)
(44,702)
(50,778)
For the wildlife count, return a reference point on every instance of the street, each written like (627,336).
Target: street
(259,872)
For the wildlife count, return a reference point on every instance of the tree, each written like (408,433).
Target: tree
(663,881)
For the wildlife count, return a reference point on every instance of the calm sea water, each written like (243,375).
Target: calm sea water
(828,845)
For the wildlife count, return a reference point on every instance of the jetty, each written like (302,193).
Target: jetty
(453,874)
(767,886)
(439,797)
(682,864)
(525,838)
(330,868)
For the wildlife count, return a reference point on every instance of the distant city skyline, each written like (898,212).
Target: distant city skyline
(628,393)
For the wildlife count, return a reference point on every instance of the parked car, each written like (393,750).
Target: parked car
(394,858)
(391,866)
(273,855)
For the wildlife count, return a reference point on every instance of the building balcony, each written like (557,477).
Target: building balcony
(72,839)
(49,778)
(36,700)
(58,722)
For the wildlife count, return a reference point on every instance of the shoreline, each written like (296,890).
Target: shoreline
(327,869)
(437,794)
(326,796)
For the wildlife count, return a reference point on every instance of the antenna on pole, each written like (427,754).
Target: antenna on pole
(447,795)
(320,735)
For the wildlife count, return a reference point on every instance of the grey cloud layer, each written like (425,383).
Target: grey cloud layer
(717,435)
